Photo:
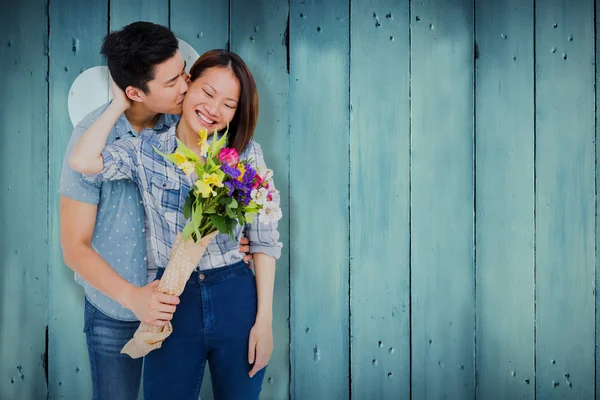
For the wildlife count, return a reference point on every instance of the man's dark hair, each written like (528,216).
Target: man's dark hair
(134,52)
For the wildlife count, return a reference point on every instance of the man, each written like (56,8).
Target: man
(102,226)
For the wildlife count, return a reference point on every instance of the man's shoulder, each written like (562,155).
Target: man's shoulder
(91,117)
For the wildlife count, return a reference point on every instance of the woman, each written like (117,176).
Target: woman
(225,313)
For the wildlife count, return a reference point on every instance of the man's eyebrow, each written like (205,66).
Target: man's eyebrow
(173,79)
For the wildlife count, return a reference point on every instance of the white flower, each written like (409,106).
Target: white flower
(268,177)
(259,195)
(270,213)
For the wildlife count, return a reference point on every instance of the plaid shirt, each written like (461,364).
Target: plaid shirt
(164,189)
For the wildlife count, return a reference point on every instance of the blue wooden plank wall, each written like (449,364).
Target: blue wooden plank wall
(437,162)
(24,200)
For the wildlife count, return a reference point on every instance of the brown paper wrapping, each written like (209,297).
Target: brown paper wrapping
(183,260)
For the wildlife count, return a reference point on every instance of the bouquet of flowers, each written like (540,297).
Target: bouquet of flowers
(226,191)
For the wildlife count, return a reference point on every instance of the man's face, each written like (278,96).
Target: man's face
(166,91)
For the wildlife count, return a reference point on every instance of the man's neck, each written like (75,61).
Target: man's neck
(140,117)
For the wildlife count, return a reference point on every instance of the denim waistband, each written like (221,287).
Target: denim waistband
(214,275)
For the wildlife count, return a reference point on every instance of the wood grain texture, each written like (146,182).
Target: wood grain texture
(442,207)
(75,44)
(23,200)
(505,199)
(124,12)
(319,165)
(380,200)
(565,210)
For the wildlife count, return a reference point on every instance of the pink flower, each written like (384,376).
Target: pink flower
(257,182)
(229,156)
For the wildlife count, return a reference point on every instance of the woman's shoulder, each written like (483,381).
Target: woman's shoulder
(252,150)
(160,140)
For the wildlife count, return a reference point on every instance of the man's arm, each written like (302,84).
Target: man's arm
(77,221)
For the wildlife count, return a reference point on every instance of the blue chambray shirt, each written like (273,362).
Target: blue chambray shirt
(119,235)
(164,189)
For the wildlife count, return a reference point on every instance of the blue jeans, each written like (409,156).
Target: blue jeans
(115,376)
(212,323)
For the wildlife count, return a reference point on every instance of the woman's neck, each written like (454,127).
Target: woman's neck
(188,136)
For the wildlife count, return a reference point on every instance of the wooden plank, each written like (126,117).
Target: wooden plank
(597,227)
(319,223)
(565,208)
(24,200)
(124,12)
(75,45)
(258,34)
(505,200)
(380,200)
(203,24)
(442,206)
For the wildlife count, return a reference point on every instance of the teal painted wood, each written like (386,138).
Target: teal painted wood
(204,24)
(123,12)
(75,45)
(258,33)
(319,165)
(565,209)
(23,200)
(597,227)
(442,276)
(380,200)
(505,200)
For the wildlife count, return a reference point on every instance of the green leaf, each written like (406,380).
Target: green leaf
(197,216)
(230,213)
(219,222)
(186,151)
(187,207)
(216,145)
(250,217)
(187,231)
(210,210)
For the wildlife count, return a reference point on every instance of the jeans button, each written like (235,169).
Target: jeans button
(201,276)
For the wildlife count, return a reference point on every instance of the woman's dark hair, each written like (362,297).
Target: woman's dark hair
(241,128)
(133,53)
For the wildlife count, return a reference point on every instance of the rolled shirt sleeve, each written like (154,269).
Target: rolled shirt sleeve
(263,238)
(120,161)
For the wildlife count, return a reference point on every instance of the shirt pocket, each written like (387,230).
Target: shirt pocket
(168,198)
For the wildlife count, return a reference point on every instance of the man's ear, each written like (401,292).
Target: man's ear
(135,94)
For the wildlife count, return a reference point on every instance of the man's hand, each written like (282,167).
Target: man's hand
(119,98)
(151,306)
(245,248)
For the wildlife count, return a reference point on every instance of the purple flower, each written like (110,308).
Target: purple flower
(231,171)
(229,186)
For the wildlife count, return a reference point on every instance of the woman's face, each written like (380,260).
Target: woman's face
(211,100)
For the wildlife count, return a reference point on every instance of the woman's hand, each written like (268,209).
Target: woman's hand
(119,98)
(261,346)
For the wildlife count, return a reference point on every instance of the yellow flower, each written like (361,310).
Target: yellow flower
(203,142)
(242,169)
(212,179)
(187,167)
(179,158)
(205,189)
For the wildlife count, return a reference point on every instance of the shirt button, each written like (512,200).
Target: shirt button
(201,276)
(164,185)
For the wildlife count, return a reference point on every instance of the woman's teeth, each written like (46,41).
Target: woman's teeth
(203,118)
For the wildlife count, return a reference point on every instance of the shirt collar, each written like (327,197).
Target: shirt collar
(123,126)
